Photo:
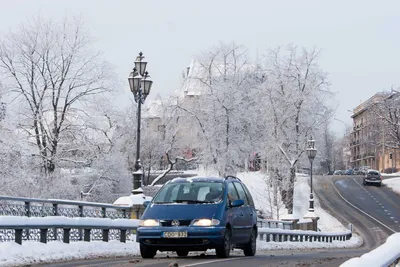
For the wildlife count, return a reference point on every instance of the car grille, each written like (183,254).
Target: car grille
(181,222)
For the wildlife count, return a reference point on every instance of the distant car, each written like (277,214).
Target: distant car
(356,171)
(199,213)
(364,169)
(373,177)
(338,172)
(349,172)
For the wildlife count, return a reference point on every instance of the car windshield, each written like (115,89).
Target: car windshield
(190,192)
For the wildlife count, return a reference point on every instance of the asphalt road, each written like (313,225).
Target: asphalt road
(373,211)
(270,258)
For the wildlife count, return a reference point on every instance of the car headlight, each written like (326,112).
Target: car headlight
(206,222)
(149,223)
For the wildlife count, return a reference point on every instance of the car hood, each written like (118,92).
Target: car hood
(180,211)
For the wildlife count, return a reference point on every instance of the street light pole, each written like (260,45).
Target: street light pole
(140,85)
(311,153)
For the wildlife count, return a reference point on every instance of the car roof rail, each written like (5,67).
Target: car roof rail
(233,177)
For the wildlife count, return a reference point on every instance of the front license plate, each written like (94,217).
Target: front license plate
(174,234)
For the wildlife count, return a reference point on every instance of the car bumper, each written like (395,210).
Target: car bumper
(372,181)
(198,238)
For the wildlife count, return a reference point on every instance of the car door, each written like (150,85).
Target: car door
(253,211)
(246,214)
(234,213)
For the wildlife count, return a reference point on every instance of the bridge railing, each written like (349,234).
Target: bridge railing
(281,235)
(33,207)
(93,228)
(275,224)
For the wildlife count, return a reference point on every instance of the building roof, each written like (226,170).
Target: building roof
(364,105)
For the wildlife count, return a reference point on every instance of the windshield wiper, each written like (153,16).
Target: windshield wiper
(192,201)
(162,202)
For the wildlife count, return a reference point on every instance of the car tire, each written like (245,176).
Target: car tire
(379,184)
(182,253)
(250,248)
(224,250)
(147,252)
(364,183)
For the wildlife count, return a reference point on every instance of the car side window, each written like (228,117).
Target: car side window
(242,194)
(232,193)
(249,197)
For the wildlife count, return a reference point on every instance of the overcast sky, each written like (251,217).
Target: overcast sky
(360,40)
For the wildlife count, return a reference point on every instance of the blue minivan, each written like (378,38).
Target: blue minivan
(199,213)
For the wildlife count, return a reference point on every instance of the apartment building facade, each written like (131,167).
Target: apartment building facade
(368,140)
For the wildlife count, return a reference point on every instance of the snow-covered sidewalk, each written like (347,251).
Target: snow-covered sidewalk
(393,183)
(13,254)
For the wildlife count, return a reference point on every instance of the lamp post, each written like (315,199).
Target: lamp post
(140,84)
(311,153)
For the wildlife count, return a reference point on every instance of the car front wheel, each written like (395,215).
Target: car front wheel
(250,248)
(225,249)
(147,252)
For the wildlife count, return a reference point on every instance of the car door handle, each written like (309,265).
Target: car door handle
(251,214)
(242,214)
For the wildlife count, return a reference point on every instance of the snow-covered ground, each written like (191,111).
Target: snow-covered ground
(380,256)
(12,254)
(393,183)
(30,252)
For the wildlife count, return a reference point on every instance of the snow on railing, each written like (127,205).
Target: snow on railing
(34,207)
(388,254)
(275,224)
(282,235)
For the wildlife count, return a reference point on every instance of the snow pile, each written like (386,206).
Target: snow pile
(60,221)
(393,183)
(31,252)
(262,194)
(383,255)
(131,200)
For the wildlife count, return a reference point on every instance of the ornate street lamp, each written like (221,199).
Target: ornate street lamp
(311,153)
(140,84)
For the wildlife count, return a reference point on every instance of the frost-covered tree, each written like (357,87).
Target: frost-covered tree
(296,95)
(221,106)
(173,137)
(386,112)
(53,71)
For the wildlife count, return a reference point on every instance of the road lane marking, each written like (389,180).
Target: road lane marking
(213,261)
(360,209)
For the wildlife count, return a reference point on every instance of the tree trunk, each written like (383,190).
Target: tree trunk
(290,192)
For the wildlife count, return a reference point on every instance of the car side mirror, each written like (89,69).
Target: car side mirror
(146,203)
(237,203)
